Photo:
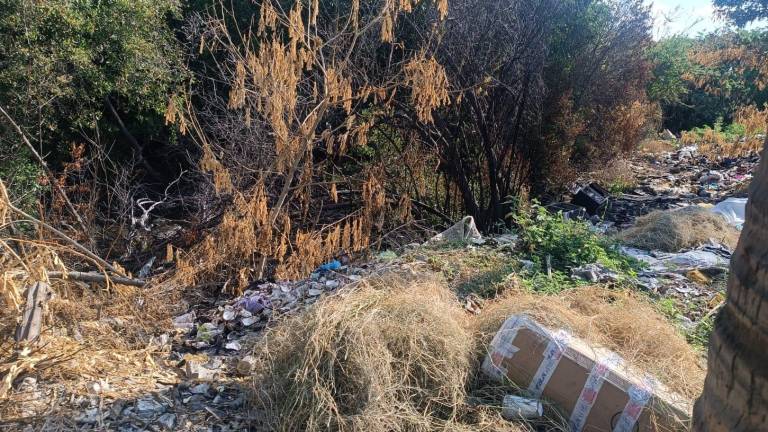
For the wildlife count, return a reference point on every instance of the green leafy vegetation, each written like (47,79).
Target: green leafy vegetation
(697,334)
(568,243)
(63,60)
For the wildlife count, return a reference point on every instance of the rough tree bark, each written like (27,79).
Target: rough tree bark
(735,396)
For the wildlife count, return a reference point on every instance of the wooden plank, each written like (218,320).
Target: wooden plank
(31,323)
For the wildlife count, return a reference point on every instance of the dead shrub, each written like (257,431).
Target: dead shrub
(673,230)
(616,174)
(621,321)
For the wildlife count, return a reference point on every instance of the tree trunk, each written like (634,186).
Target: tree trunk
(735,394)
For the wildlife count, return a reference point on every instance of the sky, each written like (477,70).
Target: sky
(685,16)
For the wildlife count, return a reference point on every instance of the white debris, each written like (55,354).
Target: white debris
(249,321)
(733,210)
(185,322)
(233,345)
(201,388)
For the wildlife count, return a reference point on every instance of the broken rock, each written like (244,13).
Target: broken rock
(198,371)
(167,421)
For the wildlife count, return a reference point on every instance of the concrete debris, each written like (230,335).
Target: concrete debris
(200,372)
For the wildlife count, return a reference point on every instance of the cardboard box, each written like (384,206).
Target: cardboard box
(594,386)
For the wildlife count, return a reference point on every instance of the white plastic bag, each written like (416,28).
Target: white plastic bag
(732,210)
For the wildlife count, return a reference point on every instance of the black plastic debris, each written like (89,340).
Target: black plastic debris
(569,211)
(592,197)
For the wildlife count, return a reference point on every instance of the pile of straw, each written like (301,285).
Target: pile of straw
(396,354)
(673,230)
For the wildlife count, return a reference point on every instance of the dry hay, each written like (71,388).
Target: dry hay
(621,321)
(657,146)
(403,355)
(673,230)
(92,335)
(385,356)
(617,172)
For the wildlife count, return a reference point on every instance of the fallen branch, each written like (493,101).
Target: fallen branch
(95,277)
(31,323)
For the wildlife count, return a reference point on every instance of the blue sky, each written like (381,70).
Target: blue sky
(684,16)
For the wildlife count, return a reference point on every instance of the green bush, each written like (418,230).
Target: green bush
(21,177)
(729,133)
(568,243)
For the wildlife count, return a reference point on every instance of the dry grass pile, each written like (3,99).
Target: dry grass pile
(673,230)
(616,174)
(621,321)
(90,336)
(403,355)
(387,356)
(657,146)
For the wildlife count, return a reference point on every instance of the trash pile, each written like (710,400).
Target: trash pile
(667,181)
(682,219)
(680,178)
(198,374)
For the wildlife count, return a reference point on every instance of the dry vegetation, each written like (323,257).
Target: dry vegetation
(89,334)
(304,133)
(657,146)
(671,231)
(748,140)
(399,353)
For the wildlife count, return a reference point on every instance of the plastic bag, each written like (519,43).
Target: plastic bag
(732,210)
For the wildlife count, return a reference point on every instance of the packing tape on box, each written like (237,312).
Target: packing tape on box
(590,391)
(502,347)
(552,355)
(639,395)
